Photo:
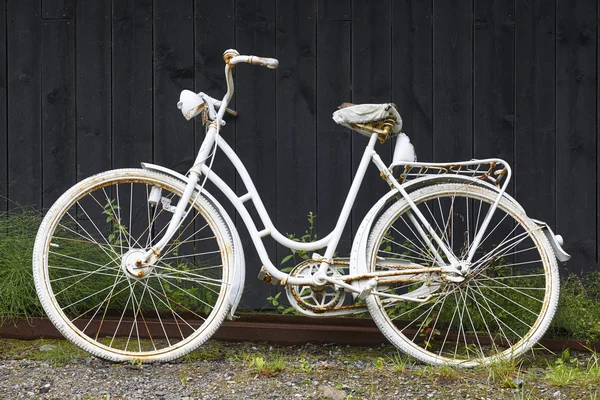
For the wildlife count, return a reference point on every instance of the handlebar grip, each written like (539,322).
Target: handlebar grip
(271,63)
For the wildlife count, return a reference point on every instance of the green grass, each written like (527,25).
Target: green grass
(17,234)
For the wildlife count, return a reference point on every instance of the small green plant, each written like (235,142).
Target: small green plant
(401,362)
(267,368)
(379,363)
(17,234)
(502,372)
(565,370)
(136,362)
(296,256)
(305,366)
(274,301)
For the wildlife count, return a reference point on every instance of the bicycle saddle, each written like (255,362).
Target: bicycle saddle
(369,118)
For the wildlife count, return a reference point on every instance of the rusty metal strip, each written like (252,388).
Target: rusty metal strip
(276,329)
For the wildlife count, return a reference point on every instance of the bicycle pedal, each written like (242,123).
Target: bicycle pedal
(266,277)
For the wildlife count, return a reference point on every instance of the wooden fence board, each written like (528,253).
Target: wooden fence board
(333,141)
(412,73)
(3,111)
(93,66)
(576,129)
(24,104)
(296,117)
(371,83)
(212,37)
(493,80)
(58,109)
(132,79)
(255,127)
(58,9)
(452,80)
(173,72)
(535,134)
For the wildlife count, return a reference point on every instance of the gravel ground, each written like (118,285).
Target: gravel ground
(54,369)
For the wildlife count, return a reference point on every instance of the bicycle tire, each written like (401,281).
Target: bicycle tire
(501,309)
(78,260)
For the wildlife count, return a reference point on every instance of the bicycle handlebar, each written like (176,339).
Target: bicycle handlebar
(232,57)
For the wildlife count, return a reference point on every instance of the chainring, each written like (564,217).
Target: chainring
(324,298)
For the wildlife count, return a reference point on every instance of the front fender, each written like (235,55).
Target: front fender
(358,256)
(239,263)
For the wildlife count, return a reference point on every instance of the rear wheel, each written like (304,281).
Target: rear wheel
(96,292)
(506,300)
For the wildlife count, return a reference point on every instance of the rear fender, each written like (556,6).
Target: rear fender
(239,263)
(556,241)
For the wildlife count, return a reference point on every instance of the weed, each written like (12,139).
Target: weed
(502,371)
(305,366)
(401,362)
(274,300)
(17,234)
(565,370)
(379,363)
(267,368)
(183,378)
(136,362)
(296,256)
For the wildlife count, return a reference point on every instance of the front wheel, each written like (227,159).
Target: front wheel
(96,291)
(507,298)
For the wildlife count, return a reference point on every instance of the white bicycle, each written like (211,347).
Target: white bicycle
(145,264)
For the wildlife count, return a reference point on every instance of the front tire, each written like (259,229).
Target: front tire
(87,279)
(506,301)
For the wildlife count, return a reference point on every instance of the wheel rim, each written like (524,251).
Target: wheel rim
(132,312)
(499,307)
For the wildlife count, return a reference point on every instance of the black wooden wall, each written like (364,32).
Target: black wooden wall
(91,85)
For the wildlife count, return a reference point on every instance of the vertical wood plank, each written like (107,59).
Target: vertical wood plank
(333,141)
(296,117)
(24,103)
(132,83)
(535,135)
(334,10)
(58,9)
(371,83)
(212,37)
(255,128)
(93,58)
(173,72)
(3,110)
(412,63)
(576,129)
(493,89)
(58,109)
(452,80)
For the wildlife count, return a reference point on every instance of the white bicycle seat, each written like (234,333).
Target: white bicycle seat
(348,115)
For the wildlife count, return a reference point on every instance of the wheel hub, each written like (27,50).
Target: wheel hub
(133,266)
